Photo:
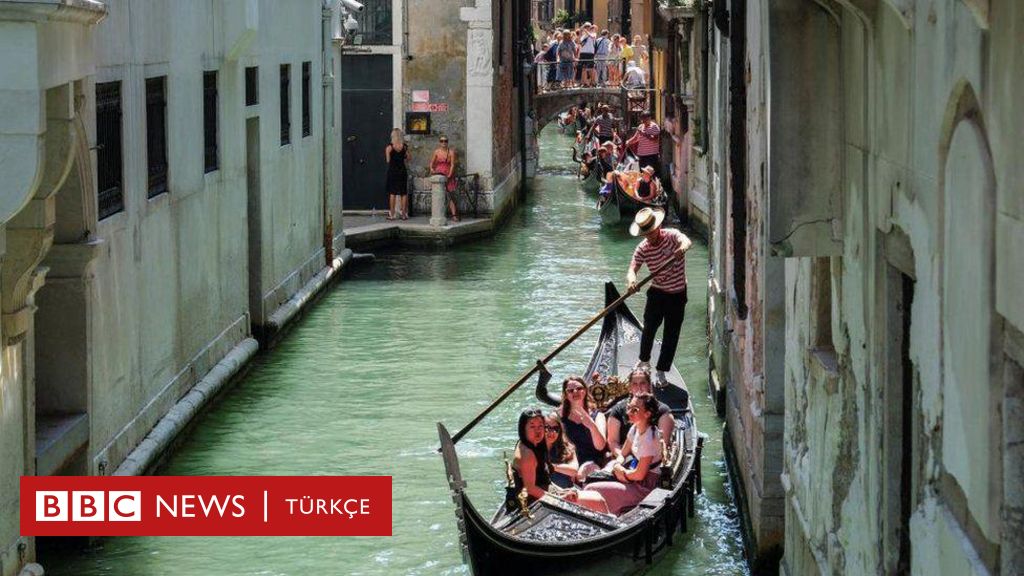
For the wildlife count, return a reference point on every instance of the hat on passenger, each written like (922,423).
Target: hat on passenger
(646,220)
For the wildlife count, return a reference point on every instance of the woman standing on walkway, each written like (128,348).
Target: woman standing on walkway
(397,158)
(442,163)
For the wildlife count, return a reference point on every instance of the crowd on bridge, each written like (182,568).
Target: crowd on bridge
(585,57)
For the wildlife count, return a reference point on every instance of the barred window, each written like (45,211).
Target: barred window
(252,86)
(156,134)
(109,168)
(306,73)
(374,23)
(286,116)
(211,152)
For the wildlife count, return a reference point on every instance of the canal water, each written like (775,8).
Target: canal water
(358,387)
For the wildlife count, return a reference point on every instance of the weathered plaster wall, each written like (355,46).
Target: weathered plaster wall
(437,62)
(928,139)
(169,290)
(42,68)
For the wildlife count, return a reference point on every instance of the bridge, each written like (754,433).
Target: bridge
(548,105)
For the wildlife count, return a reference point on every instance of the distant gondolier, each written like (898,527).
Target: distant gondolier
(666,299)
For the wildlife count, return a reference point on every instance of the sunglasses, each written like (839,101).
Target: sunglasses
(552,429)
(444,141)
(575,389)
(632,409)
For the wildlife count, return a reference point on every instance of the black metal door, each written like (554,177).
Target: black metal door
(367,118)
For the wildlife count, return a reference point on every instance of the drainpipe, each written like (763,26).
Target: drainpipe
(327,81)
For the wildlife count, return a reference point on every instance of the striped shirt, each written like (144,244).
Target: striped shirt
(649,142)
(673,278)
(606,124)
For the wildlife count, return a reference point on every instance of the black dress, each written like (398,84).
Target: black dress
(398,175)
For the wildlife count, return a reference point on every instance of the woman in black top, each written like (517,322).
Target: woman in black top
(584,425)
(397,157)
(531,469)
(648,188)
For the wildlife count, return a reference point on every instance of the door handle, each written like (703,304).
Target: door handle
(351,139)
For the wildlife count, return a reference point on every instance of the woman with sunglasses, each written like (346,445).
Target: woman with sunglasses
(584,425)
(531,469)
(635,482)
(442,163)
(618,422)
(561,452)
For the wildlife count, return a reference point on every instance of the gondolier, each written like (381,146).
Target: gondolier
(647,140)
(666,299)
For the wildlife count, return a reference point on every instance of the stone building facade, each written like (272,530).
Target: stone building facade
(864,193)
(170,194)
(173,177)
(453,63)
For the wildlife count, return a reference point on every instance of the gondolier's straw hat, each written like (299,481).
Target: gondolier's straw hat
(646,220)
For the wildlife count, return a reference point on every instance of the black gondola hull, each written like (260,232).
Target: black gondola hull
(563,539)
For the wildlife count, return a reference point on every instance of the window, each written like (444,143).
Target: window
(211,152)
(108,149)
(252,86)
(374,23)
(286,116)
(306,72)
(156,134)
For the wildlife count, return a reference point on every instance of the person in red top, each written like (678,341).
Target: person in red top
(666,299)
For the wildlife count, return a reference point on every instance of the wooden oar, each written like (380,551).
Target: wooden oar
(543,363)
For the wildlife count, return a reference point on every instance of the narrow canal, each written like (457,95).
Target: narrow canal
(359,385)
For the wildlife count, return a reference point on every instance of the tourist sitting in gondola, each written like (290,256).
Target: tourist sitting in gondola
(561,452)
(637,469)
(648,188)
(618,423)
(531,469)
(584,424)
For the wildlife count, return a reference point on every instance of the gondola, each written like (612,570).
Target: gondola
(552,536)
(623,203)
(590,180)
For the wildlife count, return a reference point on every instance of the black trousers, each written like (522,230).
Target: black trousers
(668,308)
(652,160)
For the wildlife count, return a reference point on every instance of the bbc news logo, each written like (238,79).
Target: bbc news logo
(89,506)
(205,506)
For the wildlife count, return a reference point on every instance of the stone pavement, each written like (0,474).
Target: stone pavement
(369,230)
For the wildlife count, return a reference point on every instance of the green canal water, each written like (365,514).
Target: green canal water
(359,385)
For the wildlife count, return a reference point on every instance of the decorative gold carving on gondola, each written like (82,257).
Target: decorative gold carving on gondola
(605,392)
(524,497)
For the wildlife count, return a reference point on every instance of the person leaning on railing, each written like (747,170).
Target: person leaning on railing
(601,52)
(566,60)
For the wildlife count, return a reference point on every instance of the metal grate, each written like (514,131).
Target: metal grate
(109,168)
(252,86)
(211,152)
(286,109)
(374,23)
(156,134)
(306,124)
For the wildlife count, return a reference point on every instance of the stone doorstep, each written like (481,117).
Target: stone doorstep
(58,438)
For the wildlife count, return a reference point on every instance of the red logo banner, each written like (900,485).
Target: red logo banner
(206,506)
